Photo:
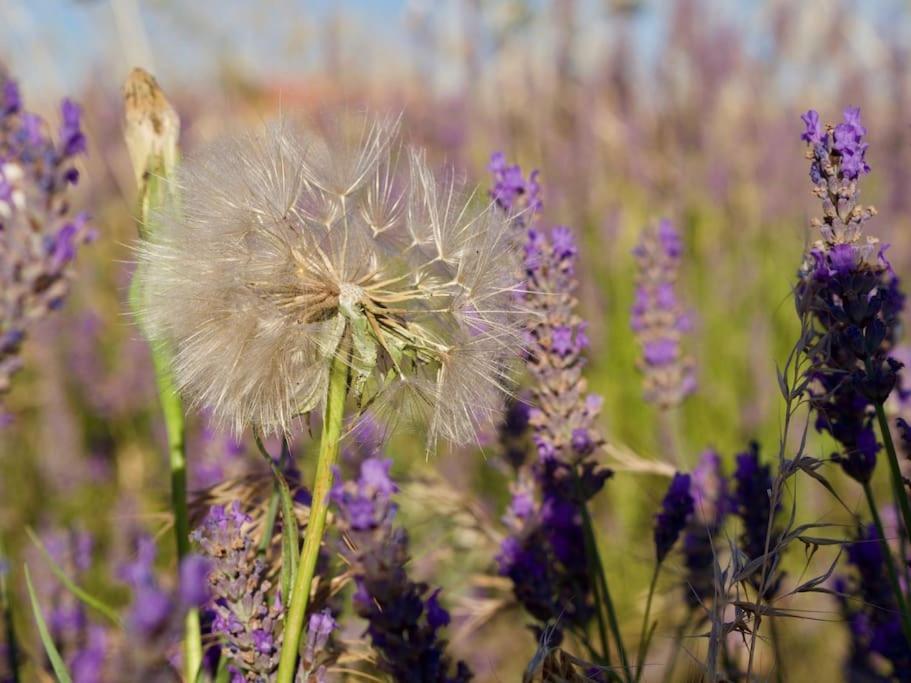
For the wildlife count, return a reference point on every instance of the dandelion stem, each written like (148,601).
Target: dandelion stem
(898,487)
(890,563)
(643,640)
(174,423)
(153,152)
(328,453)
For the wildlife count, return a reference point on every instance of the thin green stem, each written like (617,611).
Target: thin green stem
(319,507)
(596,589)
(681,630)
(172,410)
(594,568)
(12,646)
(898,485)
(890,563)
(269,526)
(643,641)
(588,529)
(776,648)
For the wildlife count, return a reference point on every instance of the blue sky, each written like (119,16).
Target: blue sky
(56,46)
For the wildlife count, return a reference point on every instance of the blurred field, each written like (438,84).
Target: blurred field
(632,111)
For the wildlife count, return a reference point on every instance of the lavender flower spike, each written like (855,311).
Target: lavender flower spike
(39,234)
(850,295)
(246,617)
(550,577)
(676,509)
(403,617)
(658,318)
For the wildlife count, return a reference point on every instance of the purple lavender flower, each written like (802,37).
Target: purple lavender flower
(194,580)
(752,503)
(676,509)
(88,664)
(38,235)
(709,489)
(868,605)
(319,629)
(512,192)
(542,555)
(150,612)
(850,295)
(404,617)
(217,455)
(814,133)
(246,618)
(658,318)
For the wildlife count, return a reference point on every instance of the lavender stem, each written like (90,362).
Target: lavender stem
(643,647)
(890,562)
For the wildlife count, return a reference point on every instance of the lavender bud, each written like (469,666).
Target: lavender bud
(676,509)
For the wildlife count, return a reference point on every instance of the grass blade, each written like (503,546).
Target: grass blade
(80,594)
(63,676)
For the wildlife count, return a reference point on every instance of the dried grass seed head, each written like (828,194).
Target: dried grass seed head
(285,249)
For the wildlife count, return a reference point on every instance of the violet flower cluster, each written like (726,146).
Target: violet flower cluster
(246,618)
(515,194)
(39,235)
(155,615)
(851,296)
(404,617)
(869,608)
(751,501)
(541,555)
(659,319)
(712,502)
(676,509)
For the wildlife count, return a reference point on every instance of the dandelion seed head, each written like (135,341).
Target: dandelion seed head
(284,249)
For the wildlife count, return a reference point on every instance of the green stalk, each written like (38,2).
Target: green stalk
(599,601)
(172,410)
(643,640)
(898,485)
(151,131)
(677,647)
(890,563)
(600,577)
(319,507)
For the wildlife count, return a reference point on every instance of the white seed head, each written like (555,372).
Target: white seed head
(286,249)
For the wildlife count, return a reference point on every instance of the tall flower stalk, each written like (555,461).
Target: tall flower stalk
(548,518)
(152,128)
(404,617)
(300,269)
(39,234)
(851,295)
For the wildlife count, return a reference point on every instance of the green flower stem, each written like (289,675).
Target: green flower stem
(174,423)
(591,542)
(890,563)
(643,637)
(898,486)
(319,507)
(677,647)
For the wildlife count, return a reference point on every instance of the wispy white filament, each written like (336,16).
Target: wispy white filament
(285,249)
